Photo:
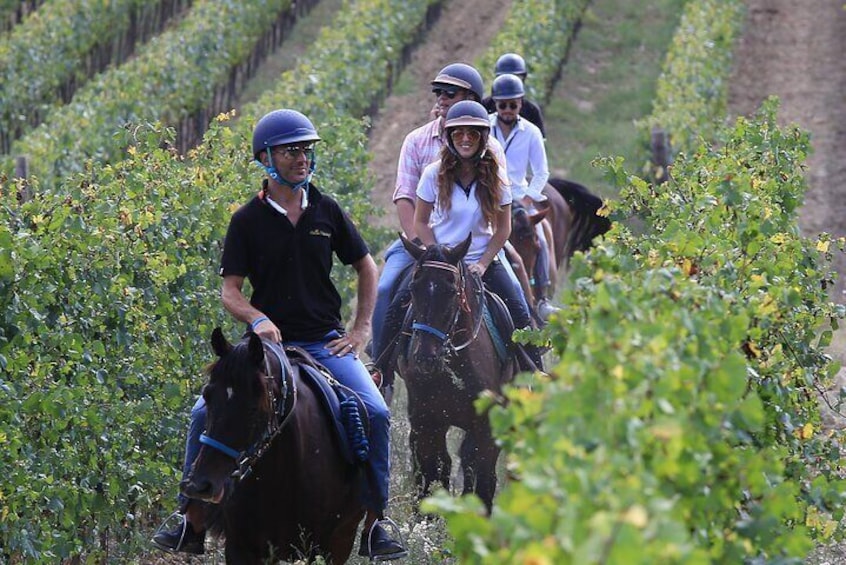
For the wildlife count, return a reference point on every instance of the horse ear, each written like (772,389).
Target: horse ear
(458,252)
(255,349)
(219,344)
(538,216)
(413,249)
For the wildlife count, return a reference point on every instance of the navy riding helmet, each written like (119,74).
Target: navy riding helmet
(460,75)
(507,87)
(283,127)
(468,113)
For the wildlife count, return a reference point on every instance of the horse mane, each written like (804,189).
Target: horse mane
(587,224)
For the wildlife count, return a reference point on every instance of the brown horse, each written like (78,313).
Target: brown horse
(272,461)
(450,360)
(526,242)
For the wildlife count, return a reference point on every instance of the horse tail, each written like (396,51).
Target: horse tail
(584,205)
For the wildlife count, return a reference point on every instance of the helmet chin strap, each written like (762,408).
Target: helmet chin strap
(273,173)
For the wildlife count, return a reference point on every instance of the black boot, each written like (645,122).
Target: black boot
(378,545)
(180,539)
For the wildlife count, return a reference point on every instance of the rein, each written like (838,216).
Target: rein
(464,306)
(247,458)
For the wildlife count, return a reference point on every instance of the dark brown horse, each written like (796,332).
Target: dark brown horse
(451,359)
(272,461)
(571,210)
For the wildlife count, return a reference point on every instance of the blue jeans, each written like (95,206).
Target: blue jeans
(541,274)
(518,293)
(350,372)
(396,261)
(496,278)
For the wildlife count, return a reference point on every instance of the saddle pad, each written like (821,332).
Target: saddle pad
(330,394)
(498,320)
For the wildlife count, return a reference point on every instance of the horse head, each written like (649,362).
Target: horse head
(438,298)
(524,236)
(241,401)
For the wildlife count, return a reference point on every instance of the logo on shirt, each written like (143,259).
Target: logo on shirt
(320,233)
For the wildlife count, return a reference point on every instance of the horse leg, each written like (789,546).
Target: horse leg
(479,455)
(343,538)
(432,462)
(237,555)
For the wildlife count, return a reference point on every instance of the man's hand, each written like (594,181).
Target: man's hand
(353,342)
(267,330)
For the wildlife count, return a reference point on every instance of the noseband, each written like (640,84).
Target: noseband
(445,335)
(279,416)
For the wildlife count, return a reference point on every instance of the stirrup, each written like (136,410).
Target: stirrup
(183,521)
(392,528)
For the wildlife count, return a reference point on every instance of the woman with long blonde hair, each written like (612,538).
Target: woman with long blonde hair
(467,191)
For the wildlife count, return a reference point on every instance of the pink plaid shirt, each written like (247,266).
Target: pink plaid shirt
(423,146)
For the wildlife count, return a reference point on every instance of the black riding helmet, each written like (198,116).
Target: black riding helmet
(511,63)
(468,113)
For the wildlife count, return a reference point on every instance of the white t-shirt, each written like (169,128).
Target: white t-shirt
(465,215)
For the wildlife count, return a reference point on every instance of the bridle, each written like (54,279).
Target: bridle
(445,335)
(279,415)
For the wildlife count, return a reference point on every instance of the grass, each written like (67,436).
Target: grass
(607,83)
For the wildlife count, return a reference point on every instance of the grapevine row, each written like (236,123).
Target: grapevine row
(173,77)
(12,12)
(45,59)
(109,292)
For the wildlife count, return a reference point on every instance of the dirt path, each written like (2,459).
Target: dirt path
(462,33)
(795,50)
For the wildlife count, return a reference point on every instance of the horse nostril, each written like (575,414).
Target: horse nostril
(193,488)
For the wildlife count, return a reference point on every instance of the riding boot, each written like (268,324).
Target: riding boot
(181,538)
(377,544)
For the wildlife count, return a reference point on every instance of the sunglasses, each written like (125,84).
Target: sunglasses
(504,105)
(473,135)
(449,93)
(291,152)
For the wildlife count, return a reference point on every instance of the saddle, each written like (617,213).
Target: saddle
(344,408)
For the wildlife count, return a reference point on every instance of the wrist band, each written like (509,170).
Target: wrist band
(257,321)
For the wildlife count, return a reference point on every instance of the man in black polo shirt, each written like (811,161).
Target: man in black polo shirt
(283,240)
(514,64)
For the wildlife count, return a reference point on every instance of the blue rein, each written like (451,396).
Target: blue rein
(246,459)
(430,330)
(222,447)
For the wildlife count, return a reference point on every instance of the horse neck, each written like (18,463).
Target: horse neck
(470,301)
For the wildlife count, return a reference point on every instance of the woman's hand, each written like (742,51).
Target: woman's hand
(477,268)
